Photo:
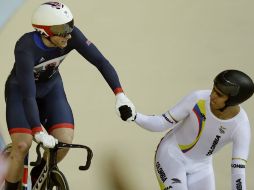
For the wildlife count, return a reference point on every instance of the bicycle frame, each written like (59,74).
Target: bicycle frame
(51,162)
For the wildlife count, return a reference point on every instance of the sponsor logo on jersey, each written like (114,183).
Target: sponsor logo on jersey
(88,42)
(161,172)
(237,166)
(176,180)
(239,184)
(167,119)
(42,59)
(222,129)
(215,142)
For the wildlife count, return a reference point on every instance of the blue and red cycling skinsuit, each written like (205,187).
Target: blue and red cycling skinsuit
(34,90)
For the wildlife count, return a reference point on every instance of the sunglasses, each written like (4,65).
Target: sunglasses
(62,30)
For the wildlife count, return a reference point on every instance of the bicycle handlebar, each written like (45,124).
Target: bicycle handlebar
(65,145)
(89,153)
(38,152)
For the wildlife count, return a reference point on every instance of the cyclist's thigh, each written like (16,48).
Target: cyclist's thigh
(63,134)
(170,170)
(15,114)
(56,109)
(202,179)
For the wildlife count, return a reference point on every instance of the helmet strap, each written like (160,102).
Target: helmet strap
(48,39)
(223,109)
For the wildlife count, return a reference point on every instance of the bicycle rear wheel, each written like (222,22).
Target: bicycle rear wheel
(58,181)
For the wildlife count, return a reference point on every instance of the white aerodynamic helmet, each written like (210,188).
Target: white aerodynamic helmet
(53,18)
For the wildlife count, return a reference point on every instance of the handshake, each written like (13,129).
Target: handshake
(125,108)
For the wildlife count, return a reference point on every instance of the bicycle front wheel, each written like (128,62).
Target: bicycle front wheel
(58,181)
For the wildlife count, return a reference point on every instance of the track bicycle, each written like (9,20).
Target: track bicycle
(51,177)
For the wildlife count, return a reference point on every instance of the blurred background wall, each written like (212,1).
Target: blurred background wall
(161,50)
(7,8)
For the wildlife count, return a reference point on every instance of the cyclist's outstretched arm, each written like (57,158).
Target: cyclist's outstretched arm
(91,53)
(167,120)
(155,123)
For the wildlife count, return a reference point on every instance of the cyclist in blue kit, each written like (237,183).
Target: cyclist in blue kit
(34,93)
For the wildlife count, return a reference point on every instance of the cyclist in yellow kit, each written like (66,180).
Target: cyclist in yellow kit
(201,124)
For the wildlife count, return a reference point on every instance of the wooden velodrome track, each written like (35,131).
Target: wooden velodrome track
(161,50)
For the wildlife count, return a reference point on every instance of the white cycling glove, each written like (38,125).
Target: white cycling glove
(125,108)
(47,140)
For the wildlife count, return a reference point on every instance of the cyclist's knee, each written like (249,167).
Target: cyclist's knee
(20,150)
(23,147)
(21,144)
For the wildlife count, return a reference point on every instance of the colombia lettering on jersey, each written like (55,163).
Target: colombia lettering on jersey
(161,172)
(239,185)
(215,142)
(237,166)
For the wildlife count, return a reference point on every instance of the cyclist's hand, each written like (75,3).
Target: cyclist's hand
(47,140)
(125,108)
